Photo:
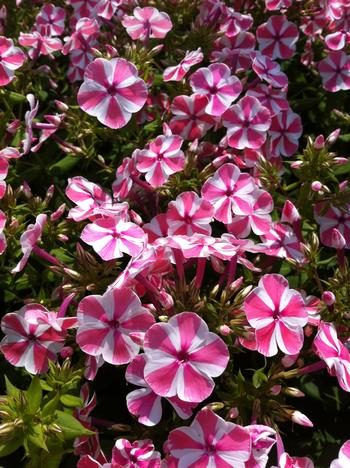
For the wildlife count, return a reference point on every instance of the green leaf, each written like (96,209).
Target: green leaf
(36,437)
(11,390)
(8,447)
(34,394)
(71,401)
(259,378)
(64,165)
(71,427)
(51,406)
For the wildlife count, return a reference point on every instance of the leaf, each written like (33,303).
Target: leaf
(71,401)
(8,447)
(64,165)
(259,378)
(34,394)
(51,406)
(71,427)
(11,390)
(36,437)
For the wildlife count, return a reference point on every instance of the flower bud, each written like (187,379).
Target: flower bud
(58,213)
(225,330)
(319,142)
(66,352)
(296,164)
(316,186)
(163,318)
(332,137)
(290,214)
(294,392)
(13,126)
(26,190)
(288,360)
(328,298)
(61,106)
(111,51)
(233,413)
(166,300)
(276,390)
(337,240)
(135,217)
(340,161)
(300,418)
(62,238)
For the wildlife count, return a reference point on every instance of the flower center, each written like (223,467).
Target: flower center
(276,315)
(229,193)
(210,449)
(188,219)
(113,323)
(213,90)
(183,357)
(112,90)
(31,337)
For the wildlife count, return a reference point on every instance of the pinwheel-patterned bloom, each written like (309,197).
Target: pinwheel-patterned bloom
(277,4)
(177,72)
(189,214)
(278,315)
(333,218)
(343,461)
(230,192)
(182,356)
(277,37)
(286,461)
(32,337)
(107,8)
(144,403)
(334,353)
(285,131)
(112,91)
(190,118)
(247,123)
(106,322)
(274,99)
(220,87)
(281,241)
(147,23)
(210,441)
(162,158)
(29,239)
(263,439)
(51,19)
(111,238)
(268,70)
(335,71)
(258,220)
(234,23)
(40,44)
(11,58)
(201,246)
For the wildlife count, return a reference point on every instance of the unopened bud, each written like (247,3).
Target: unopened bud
(332,137)
(316,186)
(340,161)
(62,238)
(276,390)
(294,392)
(166,300)
(296,164)
(26,190)
(163,318)
(66,352)
(135,217)
(337,239)
(215,406)
(319,142)
(328,298)
(111,51)
(58,213)
(61,106)
(225,330)
(233,413)
(300,418)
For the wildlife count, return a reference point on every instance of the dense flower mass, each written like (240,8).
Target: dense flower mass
(174,233)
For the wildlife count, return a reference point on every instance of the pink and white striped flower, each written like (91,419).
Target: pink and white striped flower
(332,351)
(258,220)
(343,461)
(31,339)
(286,461)
(277,37)
(161,159)
(247,123)
(107,8)
(29,239)
(4,167)
(285,131)
(51,20)
(147,23)
(202,246)
(335,71)
(263,439)
(268,70)
(274,99)
(230,192)
(138,454)
(143,402)
(235,51)
(112,91)
(106,322)
(190,119)
(282,242)
(11,58)
(182,356)
(277,4)
(277,314)
(3,243)
(111,237)
(234,22)
(209,441)
(220,87)
(39,43)
(177,72)
(189,214)
(330,219)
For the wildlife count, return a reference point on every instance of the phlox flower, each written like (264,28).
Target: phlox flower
(11,58)
(282,242)
(235,51)
(263,439)
(107,8)
(268,70)
(286,461)
(189,214)
(182,356)
(4,167)
(105,323)
(162,158)
(3,243)
(209,441)
(274,99)
(277,4)
(333,218)
(202,246)
(147,23)
(112,91)
(39,43)
(123,178)
(335,71)
(343,461)
(230,192)
(157,228)
(277,314)
(51,19)
(190,119)
(177,72)
(29,239)
(285,130)
(277,37)
(144,402)
(29,117)
(32,337)
(247,123)
(111,237)
(220,87)
(258,220)
(332,351)
(234,23)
